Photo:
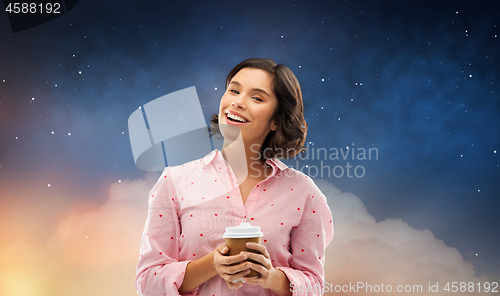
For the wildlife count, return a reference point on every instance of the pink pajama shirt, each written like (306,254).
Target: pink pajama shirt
(191,205)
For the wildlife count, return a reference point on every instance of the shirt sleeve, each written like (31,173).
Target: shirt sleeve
(308,242)
(159,270)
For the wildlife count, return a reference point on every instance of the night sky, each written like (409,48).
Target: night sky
(417,80)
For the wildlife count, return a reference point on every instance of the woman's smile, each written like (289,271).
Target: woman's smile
(235,118)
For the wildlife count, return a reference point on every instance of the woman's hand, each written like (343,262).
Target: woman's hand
(270,277)
(225,268)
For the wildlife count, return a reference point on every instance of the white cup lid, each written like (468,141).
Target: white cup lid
(244,230)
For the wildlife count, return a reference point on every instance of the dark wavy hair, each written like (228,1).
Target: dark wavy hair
(289,138)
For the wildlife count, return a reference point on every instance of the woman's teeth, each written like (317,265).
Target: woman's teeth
(235,117)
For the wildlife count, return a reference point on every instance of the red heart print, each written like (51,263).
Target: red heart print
(227,196)
(147,233)
(251,219)
(165,177)
(319,257)
(291,189)
(264,189)
(215,180)
(192,183)
(281,223)
(317,235)
(314,212)
(160,253)
(220,168)
(191,215)
(201,234)
(194,254)
(257,185)
(153,195)
(155,273)
(172,199)
(265,240)
(216,214)
(171,237)
(312,196)
(272,205)
(161,215)
(330,221)
(298,209)
(302,250)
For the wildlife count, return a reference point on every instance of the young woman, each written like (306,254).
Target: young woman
(182,250)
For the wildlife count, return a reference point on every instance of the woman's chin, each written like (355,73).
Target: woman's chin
(229,131)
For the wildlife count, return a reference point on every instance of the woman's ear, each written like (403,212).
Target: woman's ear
(272,125)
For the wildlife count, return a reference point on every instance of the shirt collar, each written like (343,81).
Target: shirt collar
(272,161)
(277,163)
(210,156)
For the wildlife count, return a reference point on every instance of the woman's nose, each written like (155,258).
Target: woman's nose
(238,103)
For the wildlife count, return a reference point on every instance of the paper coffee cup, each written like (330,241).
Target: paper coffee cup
(236,238)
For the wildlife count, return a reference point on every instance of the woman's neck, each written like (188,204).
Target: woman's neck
(245,160)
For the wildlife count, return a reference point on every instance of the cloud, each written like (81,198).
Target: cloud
(91,251)
(388,252)
(95,251)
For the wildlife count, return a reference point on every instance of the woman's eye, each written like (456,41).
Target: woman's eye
(257,99)
(234,91)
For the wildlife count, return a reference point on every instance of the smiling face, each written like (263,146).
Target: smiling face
(249,103)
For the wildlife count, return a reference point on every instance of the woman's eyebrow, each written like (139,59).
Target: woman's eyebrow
(254,89)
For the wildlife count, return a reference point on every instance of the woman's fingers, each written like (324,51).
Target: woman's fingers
(262,257)
(222,249)
(258,247)
(231,268)
(236,276)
